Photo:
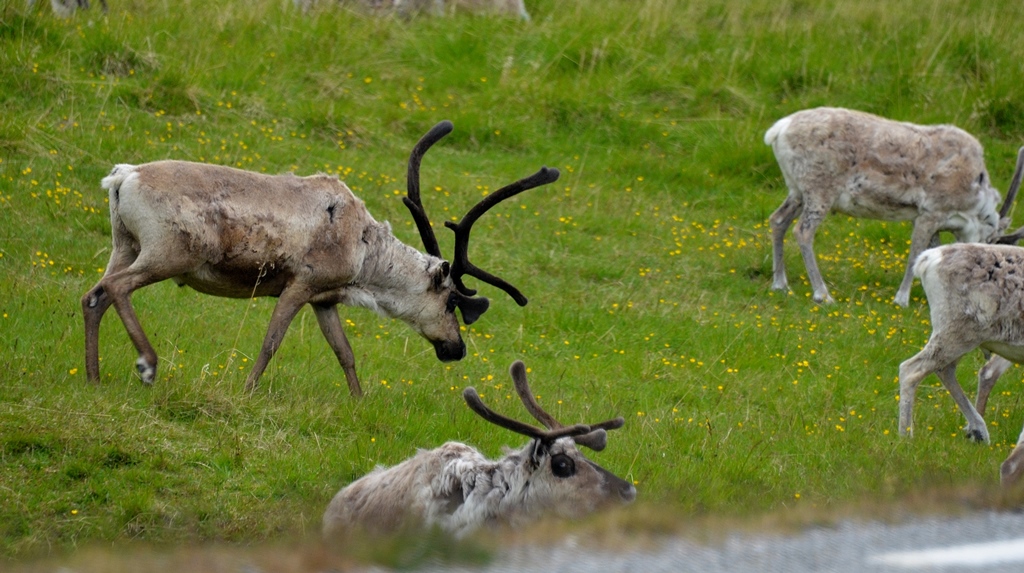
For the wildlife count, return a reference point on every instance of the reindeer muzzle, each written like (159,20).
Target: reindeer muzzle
(448,351)
(615,485)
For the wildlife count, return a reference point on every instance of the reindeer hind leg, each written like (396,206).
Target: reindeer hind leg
(810,219)
(119,285)
(975,429)
(95,303)
(780,221)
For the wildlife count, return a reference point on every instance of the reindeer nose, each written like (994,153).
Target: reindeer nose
(448,351)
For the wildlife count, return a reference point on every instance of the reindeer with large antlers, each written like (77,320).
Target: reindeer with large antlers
(863,165)
(456,488)
(305,240)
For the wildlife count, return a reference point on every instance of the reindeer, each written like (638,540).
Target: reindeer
(409,8)
(305,240)
(456,488)
(866,166)
(65,8)
(976,297)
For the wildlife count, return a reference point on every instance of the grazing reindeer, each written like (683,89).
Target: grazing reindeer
(456,488)
(65,8)
(304,240)
(866,166)
(408,8)
(976,296)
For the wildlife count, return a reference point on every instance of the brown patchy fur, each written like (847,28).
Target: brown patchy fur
(234,233)
(280,227)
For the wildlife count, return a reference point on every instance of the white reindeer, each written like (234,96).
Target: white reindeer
(976,298)
(304,240)
(457,489)
(866,166)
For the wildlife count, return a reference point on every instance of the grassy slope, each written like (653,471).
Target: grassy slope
(647,264)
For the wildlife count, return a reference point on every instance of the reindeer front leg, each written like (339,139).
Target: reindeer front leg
(987,376)
(288,304)
(805,230)
(925,228)
(330,325)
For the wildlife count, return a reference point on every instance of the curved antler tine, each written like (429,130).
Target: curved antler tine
(412,197)
(477,405)
(1011,193)
(461,265)
(518,373)
(472,398)
(613,424)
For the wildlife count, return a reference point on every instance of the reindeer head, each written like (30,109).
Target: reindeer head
(446,285)
(557,478)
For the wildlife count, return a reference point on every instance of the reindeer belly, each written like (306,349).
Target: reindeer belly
(265,280)
(864,199)
(1011,352)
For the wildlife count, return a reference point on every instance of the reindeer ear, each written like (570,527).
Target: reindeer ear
(538,449)
(472,307)
(596,440)
(440,274)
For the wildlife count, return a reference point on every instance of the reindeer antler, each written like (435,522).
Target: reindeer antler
(473,399)
(1011,193)
(412,197)
(460,263)
(596,439)
(593,436)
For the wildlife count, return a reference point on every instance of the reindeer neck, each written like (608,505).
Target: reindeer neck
(390,264)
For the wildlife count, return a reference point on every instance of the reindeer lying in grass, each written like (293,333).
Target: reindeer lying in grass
(976,297)
(304,240)
(866,166)
(458,489)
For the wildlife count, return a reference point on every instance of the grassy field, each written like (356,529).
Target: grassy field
(647,264)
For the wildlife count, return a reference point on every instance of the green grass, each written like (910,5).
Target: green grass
(647,264)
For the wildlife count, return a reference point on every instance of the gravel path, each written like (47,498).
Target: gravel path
(850,546)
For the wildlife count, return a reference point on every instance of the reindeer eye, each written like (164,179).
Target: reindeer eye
(453,302)
(563,466)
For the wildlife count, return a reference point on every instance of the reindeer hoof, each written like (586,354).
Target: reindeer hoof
(976,435)
(824,299)
(146,370)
